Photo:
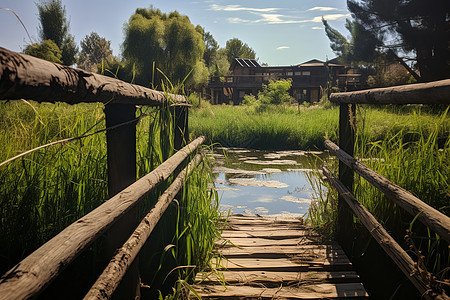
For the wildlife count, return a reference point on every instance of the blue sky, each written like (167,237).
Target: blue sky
(285,32)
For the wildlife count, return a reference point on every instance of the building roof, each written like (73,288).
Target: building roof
(247,63)
(319,63)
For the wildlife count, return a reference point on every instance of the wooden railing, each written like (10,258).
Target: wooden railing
(23,76)
(426,93)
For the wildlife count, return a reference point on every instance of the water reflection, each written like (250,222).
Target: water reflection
(263,182)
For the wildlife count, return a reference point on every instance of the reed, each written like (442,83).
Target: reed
(42,193)
(277,127)
(413,151)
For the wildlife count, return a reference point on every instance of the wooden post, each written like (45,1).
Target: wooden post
(121,151)
(180,114)
(346,143)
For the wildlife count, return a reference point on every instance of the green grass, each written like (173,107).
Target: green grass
(43,192)
(412,151)
(288,127)
(275,128)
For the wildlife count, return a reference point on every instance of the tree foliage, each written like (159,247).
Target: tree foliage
(168,42)
(235,48)
(409,29)
(363,49)
(47,50)
(94,49)
(211,48)
(54,26)
(275,92)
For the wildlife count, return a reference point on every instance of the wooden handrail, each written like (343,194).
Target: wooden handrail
(435,220)
(30,276)
(389,245)
(27,77)
(109,280)
(436,92)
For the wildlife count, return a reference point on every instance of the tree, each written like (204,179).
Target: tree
(414,29)
(94,49)
(47,50)
(364,50)
(54,26)
(235,48)
(167,41)
(211,47)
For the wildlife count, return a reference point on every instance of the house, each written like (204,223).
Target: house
(308,79)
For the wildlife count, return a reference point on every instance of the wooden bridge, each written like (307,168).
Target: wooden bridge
(262,258)
(265,258)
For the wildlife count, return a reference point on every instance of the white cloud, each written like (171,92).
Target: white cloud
(268,19)
(332,17)
(241,8)
(282,48)
(238,20)
(317,28)
(322,8)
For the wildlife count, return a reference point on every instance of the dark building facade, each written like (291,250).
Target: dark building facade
(308,79)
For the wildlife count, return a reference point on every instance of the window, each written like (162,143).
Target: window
(289,73)
(306,73)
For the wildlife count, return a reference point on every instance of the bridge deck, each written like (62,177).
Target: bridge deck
(274,259)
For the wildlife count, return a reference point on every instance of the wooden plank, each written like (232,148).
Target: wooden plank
(243,242)
(27,77)
(435,220)
(269,227)
(286,265)
(390,246)
(316,291)
(436,92)
(270,279)
(36,271)
(267,234)
(283,251)
(238,223)
(248,242)
(241,219)
(109,280)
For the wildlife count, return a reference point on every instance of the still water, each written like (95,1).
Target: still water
(264,182)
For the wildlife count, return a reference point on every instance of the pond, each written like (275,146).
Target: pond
(265,182)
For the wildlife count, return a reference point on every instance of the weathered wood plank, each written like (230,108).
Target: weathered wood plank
(296,264)
(243,242)
(267,234)
(270,279)
(316,291)
(318,251)
(36,271)
(278,261)
(243,220)
(27,77)
(435,220)
(266,227)
(241,224)
(436,92)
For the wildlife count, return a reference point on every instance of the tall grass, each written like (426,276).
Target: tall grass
(277,127)
(413,151)
(42,193)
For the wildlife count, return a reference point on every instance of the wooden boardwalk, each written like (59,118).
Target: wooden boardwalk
(269,259)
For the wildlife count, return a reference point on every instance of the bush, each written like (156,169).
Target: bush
(274,93)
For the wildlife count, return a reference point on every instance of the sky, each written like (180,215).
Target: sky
(285,32)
